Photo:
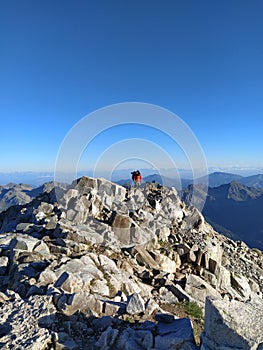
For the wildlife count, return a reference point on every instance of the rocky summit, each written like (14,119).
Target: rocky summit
(93,265)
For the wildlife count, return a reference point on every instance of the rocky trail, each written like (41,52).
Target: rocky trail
(93,265)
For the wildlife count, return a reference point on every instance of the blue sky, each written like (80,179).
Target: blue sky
(61,60)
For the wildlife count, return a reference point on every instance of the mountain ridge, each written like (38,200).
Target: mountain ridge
(214,178)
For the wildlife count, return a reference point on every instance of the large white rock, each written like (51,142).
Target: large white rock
(233,324)
(28,243)
(223,278)
(199,289)
(135,304)
(166,264)
(241,285)
(82,301)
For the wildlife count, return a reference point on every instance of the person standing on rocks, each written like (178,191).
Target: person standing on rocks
(136,178)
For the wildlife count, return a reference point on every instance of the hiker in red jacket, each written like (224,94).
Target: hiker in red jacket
(136,178)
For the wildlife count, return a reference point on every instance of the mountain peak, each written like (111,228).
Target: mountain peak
(240,192)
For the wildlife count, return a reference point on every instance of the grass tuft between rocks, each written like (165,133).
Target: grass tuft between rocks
(192,309)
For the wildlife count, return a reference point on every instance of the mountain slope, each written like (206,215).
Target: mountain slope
(236,208)
(253,181)
(13,194)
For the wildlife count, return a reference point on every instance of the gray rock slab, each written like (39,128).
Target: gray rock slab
(241,285)
(179,292)
(200,289)
(65,342)
(131,339)
(23,242)
(233,324)
(181,328)
(135,304)
(84,302)
(171,341)
(107,338)
(164,318)
(112,308)
(145,258)
(102,323)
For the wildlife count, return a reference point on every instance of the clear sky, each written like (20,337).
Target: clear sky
(62,59)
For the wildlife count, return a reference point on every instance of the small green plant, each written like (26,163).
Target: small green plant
(192,309)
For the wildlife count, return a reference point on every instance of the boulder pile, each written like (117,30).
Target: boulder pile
(90,266)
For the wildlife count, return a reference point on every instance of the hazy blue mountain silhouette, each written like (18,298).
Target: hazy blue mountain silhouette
(218,178)
(253,181)
(213,180)
(36,179)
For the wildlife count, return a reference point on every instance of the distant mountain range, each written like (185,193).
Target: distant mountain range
(213,180)
(31,178)
(218,178)
(234,210)
(13,194)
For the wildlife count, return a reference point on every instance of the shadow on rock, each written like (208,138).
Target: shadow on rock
(80,331)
